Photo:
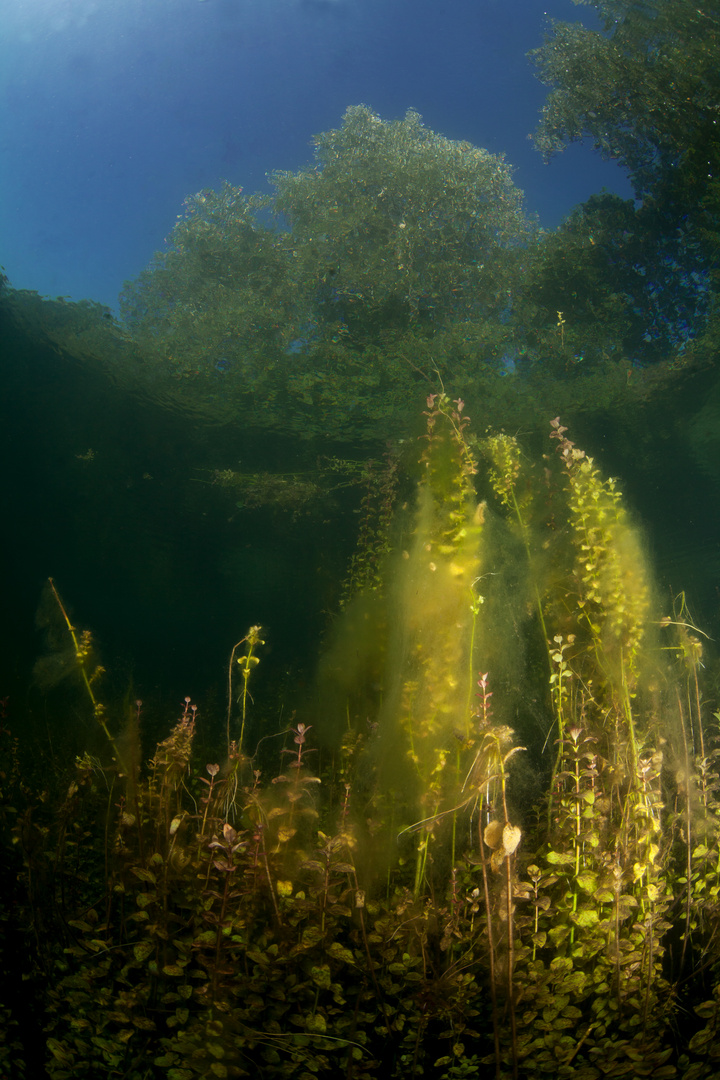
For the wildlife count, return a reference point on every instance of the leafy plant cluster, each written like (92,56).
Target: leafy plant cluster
(391,902)
(304,492)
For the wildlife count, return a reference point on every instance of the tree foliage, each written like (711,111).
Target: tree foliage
(313,296)
(646,89)
(396,223)
(399,262)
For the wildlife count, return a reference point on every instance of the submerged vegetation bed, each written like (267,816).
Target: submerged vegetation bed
(411,892)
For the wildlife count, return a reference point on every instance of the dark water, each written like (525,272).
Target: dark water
(112,495)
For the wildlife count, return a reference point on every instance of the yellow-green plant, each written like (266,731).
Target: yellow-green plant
(488,778)
(517,490)
(247,663)
(612,601)
(90,671)
(432,610)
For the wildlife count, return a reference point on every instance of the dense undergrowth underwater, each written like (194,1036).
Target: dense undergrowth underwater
(491,846)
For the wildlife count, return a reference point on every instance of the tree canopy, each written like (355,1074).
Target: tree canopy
(646,89)
(397,262)
(333,294)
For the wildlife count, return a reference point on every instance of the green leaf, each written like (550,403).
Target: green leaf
(60,1052)
(316,1024)
(586,918)
(559,858)
(144,875)
(311,935)
(207,937)
(695,1072)
(142,950)
(575,983)
(144,1023)
(321,976)
(78,924)
(700,1040)
(626,904)
(339,952)
(558,934)
(314,865)
(587,880)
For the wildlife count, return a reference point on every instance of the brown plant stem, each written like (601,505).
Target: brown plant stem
(511,935)
(688,837)
(491,940)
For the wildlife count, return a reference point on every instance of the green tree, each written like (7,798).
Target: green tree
(396,225)
(328,297)
(646,89)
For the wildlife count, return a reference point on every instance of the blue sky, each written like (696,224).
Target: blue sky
(114,110)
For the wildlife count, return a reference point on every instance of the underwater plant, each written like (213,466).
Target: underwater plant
(408,891)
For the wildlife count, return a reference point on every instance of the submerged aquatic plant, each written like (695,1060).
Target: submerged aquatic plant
(247,663)
(394,906)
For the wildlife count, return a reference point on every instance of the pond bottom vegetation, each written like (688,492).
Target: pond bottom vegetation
(489,845)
